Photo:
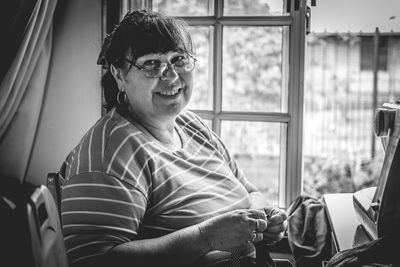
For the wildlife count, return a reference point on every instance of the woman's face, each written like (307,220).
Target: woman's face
(161,97)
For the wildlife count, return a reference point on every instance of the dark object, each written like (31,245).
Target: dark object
(308,231)
(380,252)
(313,2)
(30,230)
(378,208)
(386,201)
(54,186)
(263,258)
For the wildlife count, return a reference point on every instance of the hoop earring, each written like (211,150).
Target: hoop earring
(122,98)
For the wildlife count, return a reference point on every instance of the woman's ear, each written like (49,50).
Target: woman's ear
(116,73)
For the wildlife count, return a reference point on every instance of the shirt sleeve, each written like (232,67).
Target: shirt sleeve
(99,211)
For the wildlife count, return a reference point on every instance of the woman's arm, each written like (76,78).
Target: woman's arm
(175,249)
(183,247)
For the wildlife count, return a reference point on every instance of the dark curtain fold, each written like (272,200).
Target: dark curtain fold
(22,87)
(14,17)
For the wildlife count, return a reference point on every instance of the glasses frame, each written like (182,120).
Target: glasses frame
(162,70)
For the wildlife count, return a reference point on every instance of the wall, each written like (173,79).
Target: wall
(73,99)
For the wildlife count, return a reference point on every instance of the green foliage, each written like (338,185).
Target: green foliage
(323,175)
(263,172)
(252,76)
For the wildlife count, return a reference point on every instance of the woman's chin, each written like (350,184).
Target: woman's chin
(172,104)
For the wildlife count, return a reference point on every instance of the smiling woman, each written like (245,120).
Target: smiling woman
(150,183)
(156,90)
(118,53)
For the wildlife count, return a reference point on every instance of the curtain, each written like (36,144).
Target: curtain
(22,90)
(14,16)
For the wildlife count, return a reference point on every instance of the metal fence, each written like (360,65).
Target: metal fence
(347,76)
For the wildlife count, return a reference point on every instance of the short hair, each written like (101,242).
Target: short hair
(140,32)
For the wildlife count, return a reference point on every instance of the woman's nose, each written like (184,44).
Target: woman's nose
(169,73)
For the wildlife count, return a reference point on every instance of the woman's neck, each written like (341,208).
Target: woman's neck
(162,130)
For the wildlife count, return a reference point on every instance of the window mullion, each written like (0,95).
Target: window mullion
(217,66)
(241,20)
(246,116)
(217,75)
(218,8)
(127,5)
(295,107)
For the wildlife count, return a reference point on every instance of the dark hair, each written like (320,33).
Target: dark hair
(139,33)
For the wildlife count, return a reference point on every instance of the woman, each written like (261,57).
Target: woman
(150,183)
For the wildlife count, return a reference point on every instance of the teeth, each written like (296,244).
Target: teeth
(173,92)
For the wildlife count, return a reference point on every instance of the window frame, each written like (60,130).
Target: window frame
(290,178)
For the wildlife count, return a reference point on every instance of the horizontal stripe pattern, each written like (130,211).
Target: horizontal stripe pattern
(119,179)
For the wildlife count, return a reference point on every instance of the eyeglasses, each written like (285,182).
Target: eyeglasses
(156,68)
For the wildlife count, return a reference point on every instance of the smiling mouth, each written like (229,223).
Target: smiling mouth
(170,93)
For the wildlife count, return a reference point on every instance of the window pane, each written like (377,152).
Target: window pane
(253,7)
(256,148)
(252,69)
(184,7)
(202,91)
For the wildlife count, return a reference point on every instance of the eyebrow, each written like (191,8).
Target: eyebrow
(157,56)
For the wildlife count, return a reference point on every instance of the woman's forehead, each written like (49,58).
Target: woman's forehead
(167,54)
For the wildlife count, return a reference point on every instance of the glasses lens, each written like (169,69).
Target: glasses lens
(181,66)
(185,65)
(152,72)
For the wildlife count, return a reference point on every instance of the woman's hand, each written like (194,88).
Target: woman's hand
(234,229)
(277,224)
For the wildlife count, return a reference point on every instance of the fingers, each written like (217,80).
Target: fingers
(277,228)
(277,225)
(257,214)
(253,237)
(260,222)
(275,233)
(272,238)
(275,215)
(277,218)
(239,227)
(260,225)
(256,237)
(254,225)
(274,225)
(272,212)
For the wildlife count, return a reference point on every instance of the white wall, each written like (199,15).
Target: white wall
(73,100)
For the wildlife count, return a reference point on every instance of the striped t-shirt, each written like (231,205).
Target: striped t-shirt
(120,184)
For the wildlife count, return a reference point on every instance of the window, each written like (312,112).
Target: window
(248,82)
(341,153)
